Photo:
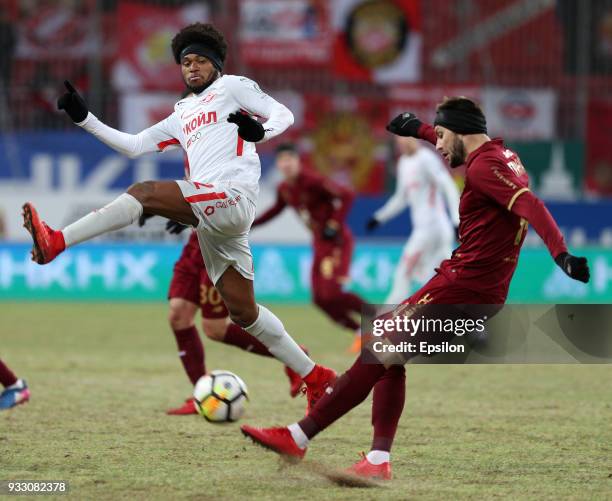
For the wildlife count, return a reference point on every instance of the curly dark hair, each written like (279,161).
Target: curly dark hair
(204,33)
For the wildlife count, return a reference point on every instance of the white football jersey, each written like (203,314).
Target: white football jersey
(199,125)
(423,182)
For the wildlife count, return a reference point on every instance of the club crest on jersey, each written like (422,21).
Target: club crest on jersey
(204,118)
(208,97)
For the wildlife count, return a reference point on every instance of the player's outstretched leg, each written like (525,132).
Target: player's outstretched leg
(162,198)
(15,390)
(348,391)
(239,297)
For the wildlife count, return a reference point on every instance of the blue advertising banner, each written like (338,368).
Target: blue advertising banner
(132,272)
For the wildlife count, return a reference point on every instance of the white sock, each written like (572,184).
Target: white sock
(271,332)
(378,457)
(298,435)
(121,212)
(17,385)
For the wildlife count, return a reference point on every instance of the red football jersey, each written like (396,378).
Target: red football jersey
(318,200)
(491,235)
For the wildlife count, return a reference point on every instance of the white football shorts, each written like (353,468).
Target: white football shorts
(225,211)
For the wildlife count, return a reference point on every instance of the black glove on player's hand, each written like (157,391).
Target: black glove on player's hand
(73,104)
(175,227)
(143,219)
(249,129)
(574,267)
(372,224)
(406,124)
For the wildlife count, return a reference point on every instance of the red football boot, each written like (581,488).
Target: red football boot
(278,440)
(319,379)
(46,242)
(295,381)
(188,408)
(366,469)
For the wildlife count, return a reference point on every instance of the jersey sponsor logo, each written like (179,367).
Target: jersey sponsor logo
(194,138)
(204,118)
(209,211)
(225,204)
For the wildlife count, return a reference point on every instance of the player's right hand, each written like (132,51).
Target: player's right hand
(372,224)
(174,227)
(405,124)
(73,104)
(574,267)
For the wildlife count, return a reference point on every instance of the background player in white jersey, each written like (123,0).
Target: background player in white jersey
(215,127)
(424,184)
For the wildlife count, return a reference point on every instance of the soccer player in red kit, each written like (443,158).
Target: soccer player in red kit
(15,390)
(191,288)
(495,208)
(323,205)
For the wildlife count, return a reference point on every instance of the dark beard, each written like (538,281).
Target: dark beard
(458,155)
(203,87)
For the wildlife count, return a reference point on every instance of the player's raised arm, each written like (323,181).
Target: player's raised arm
(254,101)
(408,125)
(155,138)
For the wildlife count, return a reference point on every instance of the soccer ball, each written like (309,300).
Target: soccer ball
(220,396)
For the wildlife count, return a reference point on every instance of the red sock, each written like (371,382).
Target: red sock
(237,336)
(349,390)
(7,378)
(191,352)
(387,407)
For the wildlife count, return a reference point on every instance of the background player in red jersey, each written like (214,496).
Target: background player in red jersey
(323,206)
(496,206)
(191,289)
(15,390)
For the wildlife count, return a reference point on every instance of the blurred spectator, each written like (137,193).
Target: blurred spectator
(588,25)
(8,43)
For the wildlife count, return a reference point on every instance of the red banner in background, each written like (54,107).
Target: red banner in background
(377,40)
(346,139)
(285,32)
(423,99)
(144,58)
(598,180)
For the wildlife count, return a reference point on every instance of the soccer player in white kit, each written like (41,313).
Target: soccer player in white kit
(215,127)
(424,184)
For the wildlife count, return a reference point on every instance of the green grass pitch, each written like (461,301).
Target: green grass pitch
(102,376)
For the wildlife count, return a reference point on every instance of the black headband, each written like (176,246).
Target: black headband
(203,50)
(461,121)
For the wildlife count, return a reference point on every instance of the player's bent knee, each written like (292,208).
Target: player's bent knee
(181,313)
(142,191)
(243,315)
(215,328)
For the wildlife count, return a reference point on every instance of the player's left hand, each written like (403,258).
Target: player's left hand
(574,267)
(330,232)
(249,129)
(174,227)
(73,104)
